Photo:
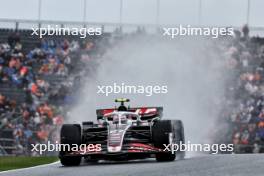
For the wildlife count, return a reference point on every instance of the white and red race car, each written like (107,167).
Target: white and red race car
(122,133)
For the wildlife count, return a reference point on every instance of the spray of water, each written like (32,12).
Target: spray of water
(191,68)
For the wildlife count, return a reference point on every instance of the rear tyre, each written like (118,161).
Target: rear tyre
(70,134)
(160,136)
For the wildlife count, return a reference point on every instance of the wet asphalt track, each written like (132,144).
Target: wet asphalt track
(207,165)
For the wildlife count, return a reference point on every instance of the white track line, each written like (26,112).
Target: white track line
(28,168)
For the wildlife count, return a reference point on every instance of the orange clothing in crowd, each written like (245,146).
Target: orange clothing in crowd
(34,89)
(44,68)
(46,110)
(43,135)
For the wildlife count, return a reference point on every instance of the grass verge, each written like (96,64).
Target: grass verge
(12,162)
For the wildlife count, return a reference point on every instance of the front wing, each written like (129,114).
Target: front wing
(129,151)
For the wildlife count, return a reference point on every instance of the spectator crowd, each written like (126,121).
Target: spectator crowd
(38,118)
(243,110)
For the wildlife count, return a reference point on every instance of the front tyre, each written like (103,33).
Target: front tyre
(70,160)
(71,135)
(161,131)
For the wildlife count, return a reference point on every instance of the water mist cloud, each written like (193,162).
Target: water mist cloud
(190,68)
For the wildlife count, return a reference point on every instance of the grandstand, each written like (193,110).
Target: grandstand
(27,84)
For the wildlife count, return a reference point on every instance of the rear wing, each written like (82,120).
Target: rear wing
(145,112)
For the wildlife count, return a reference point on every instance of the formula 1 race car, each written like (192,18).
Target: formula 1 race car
(122,133)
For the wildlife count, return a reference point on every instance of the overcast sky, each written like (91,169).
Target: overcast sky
(214,12)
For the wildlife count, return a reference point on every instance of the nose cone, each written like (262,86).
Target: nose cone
(115,137)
